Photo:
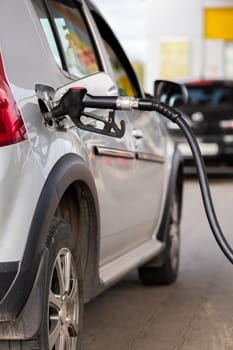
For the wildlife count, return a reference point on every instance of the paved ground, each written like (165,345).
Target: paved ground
(194,314)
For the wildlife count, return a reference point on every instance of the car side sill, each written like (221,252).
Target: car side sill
(115,269)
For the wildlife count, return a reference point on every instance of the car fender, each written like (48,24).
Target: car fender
(32,268)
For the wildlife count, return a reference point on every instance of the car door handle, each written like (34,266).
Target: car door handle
(137,133)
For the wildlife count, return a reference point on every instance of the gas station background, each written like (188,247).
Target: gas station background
(174,39)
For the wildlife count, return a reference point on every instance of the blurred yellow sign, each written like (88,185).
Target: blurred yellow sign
(174,57)
(219,23)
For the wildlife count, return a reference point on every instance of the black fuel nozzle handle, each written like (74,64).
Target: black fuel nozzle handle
(76,99)
(70,103)
(73,103)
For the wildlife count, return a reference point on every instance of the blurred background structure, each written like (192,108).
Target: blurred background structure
(174,39)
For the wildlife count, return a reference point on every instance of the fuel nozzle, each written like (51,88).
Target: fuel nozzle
(69,104)
(75,100)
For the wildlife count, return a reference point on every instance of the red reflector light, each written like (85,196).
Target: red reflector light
(12,128)
(200,83)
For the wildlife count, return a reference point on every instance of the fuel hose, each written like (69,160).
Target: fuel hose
(176,117)
(205,190)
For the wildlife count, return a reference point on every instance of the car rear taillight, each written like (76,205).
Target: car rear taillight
(12,128)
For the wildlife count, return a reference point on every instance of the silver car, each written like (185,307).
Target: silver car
(81,204)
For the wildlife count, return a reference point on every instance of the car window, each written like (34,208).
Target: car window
(41,12)
(125,77)
(123,82)
(74,39)
(210,95)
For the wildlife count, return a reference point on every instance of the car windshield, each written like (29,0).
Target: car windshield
(210,95)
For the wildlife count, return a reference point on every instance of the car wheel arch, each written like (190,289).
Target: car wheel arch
(77,208)
(70,172)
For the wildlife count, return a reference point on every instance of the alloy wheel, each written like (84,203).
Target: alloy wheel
(63,303)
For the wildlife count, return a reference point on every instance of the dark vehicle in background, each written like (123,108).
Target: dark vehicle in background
(209,112)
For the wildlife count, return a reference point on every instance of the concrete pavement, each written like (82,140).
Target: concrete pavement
(196,313)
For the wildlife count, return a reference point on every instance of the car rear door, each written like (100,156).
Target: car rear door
(148,184)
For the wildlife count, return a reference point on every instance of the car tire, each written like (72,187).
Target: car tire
(166,273)
(63,310)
